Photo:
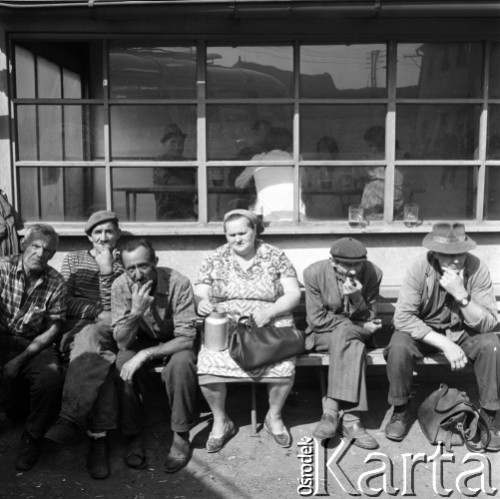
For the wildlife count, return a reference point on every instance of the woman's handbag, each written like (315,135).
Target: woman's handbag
(448,416)
(252,347)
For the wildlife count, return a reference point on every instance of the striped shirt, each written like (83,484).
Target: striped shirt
(89,292)
(27,316)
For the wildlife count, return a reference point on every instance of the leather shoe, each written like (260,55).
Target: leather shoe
(397,428)
(327,427)
(98,458)
(63,431)
(29,452)
(284,439)
(215,444)
(178,455)
(494,443)
(358,434)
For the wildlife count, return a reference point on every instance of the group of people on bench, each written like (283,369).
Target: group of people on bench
(94,331)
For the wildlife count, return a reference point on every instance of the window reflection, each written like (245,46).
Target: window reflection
(56,70)
(343,71)
(148,71)
(438,131)
(439,70)
(61,194)
(493,145)
(137,131)
(494,87)
(328,191)
(59,133)
(345,123)
(249,72)
(491,197)
(161,193)
(442,192)
(240,131)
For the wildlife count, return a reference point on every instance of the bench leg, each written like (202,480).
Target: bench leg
(253,413)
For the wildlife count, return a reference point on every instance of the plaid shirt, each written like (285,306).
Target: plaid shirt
(27,316)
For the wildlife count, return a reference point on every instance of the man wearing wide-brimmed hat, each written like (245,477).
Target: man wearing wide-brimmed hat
(341,302)
(447,304)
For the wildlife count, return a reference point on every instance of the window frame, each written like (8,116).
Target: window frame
(203,43)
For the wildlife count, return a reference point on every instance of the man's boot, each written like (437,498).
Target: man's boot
(98,457)
(489,416)
(397,428)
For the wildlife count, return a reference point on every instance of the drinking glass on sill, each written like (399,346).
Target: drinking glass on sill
(218,176)
(356,217)
(326,179)
(410,215)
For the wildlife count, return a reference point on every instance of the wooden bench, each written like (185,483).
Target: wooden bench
(374,356)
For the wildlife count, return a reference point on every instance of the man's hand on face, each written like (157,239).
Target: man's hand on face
(141,299)
(104,258)
(453,284)
(351,286)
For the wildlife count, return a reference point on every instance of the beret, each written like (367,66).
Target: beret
(349,250)
(100,217)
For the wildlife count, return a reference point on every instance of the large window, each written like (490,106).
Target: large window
(163,131)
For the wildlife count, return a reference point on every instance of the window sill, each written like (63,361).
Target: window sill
(215,228)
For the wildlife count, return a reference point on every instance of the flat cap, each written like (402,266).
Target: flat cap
(349,250)
(100,217)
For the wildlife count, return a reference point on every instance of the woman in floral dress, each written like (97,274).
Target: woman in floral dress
(246,277)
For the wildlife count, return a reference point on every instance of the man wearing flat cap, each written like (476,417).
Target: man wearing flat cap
(341,303)
(446,304)
(89,391)
(174,205)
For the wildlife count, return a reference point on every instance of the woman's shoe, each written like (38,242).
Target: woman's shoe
(283,439)
(215,444)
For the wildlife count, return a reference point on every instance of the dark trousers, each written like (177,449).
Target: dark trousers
(483,350)
(89,389)
(41,380)
(346,372)
(179,378)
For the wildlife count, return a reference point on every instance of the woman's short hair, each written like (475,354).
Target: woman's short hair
(253,219)
(376,135)
(327,143)
(34,231)
(137,242)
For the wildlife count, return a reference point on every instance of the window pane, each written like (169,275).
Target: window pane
(242,131)
(493,149)
(145,132)
(223,195)
(249,72)
(494,90)
(344,125)
(327,191)
(442,192)
(25,73)
(268,190)
(49,79)
(65,69)
(159,193)
(491,197)
(439,70)
(343,71)
(152,71)
(437,131)
(61,194)
(59,133)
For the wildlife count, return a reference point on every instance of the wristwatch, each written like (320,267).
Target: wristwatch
(465,301)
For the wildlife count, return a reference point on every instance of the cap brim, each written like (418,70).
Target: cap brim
(349,260)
